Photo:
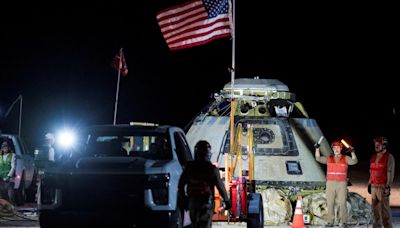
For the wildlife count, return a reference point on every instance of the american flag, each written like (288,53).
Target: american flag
(194,23)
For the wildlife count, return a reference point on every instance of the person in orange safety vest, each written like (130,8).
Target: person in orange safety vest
(381,171)
(336,180)
(201,177)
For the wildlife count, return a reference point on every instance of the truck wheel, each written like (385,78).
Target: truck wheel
(256,220)
(47,220)
(32,190)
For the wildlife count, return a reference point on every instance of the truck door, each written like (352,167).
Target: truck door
(182,148)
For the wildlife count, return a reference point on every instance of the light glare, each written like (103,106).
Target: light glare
(66,139)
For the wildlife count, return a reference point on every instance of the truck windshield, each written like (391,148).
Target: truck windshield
(148,145)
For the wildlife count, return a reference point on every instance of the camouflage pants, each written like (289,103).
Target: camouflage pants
(201,212)
(336,191)
(381,207)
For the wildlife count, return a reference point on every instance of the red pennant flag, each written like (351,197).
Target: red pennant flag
(119,63)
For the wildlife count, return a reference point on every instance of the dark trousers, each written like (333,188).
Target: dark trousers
(381,207)
(201,212)
(7,190)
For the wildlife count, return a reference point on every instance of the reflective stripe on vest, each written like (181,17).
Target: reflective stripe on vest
(337,171)
(378,170)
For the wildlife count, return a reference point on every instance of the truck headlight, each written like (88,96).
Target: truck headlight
(159,185)
(66,139)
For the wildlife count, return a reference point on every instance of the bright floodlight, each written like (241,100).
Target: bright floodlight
(66,139)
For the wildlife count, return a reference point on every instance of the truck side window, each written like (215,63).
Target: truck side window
(182,149)
(188,153)
(24,148)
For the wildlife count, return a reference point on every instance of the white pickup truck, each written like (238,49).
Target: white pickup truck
(123,176)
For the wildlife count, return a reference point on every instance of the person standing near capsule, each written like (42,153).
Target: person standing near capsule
(49,144)
(382,168)
(336,180)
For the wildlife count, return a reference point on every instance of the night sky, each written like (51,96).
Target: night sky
(340,60)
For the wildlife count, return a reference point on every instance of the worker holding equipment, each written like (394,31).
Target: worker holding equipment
(336,179)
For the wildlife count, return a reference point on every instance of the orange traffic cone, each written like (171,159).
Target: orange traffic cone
(298,221)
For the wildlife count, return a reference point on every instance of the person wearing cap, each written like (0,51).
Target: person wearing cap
(336,180)
(50,140)
(7,171)
(382,166)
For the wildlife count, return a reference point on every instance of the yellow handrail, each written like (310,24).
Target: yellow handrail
(237,146)
(250,151)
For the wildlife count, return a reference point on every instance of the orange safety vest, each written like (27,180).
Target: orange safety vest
(378,170)
(200,176)
(337,171)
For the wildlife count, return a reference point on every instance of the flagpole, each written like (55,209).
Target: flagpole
(233,45)
(232,70)
(20,117)
(117,92)
(19,98)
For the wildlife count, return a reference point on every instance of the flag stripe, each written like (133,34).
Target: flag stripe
(200,42)
(181,23)
(190,24)
(222,23)
(195,23)
(175,18)
(195,38)
(175,10)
